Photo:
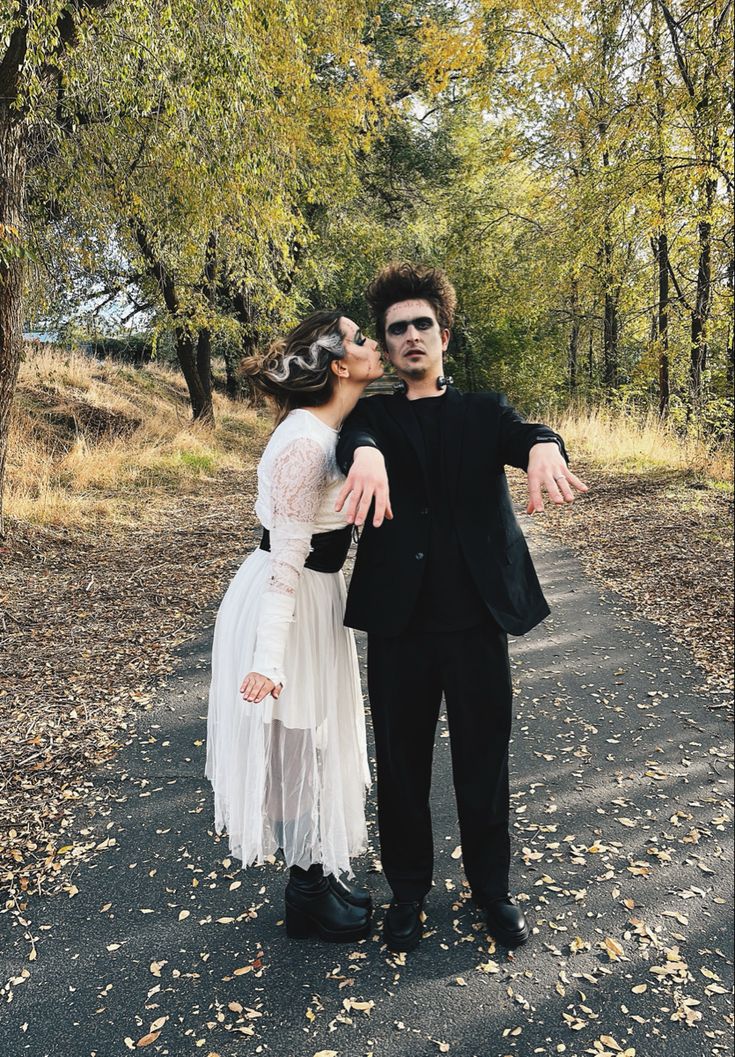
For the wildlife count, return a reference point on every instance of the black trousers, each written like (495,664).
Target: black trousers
(407,676)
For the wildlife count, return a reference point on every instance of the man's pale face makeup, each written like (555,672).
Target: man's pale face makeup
(414,341)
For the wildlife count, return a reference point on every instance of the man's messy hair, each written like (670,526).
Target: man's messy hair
(401,281)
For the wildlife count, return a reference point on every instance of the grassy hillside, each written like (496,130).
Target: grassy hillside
(99,443)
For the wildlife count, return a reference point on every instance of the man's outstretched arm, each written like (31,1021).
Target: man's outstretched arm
(539,451)
(361,460)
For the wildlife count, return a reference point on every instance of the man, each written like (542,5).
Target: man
(442,574)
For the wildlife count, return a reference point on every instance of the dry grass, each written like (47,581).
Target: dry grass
(100,444)
(96,443)
(621,441)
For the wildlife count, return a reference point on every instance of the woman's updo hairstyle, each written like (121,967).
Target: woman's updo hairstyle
(295,371)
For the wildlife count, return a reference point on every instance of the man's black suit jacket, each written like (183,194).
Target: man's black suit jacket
(482,434)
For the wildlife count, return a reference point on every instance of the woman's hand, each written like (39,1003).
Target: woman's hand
(256,686)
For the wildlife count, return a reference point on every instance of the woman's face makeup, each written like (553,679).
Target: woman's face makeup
(361,349)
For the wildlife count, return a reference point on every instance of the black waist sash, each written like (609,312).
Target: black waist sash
(328,549)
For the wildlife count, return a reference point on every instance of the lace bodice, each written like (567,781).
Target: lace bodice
(298,484)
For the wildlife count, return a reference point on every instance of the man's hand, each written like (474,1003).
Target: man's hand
(367,480)
(255,687)
(547,469)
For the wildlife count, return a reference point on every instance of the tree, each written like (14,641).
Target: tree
(200,178)
(36,40)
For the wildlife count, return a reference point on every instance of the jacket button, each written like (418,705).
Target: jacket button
(419,556)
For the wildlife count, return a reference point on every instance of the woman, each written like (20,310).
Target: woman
(286,750)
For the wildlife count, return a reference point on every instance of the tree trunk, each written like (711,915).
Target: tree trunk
(610,317)
(204,370)
(729,360)
(232,385)
(664,383)
(573,358)
(661,245)
(204,340)
(610,340)
(186,353)
(13,162)
(200,392)
(703,301)
(591,358)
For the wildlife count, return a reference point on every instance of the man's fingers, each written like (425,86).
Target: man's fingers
(553,488)
(351,512)
(382,506)
(364,505)
(535,502)
(343,493)
(566,492)
(577,482)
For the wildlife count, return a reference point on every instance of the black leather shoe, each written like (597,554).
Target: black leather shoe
(313,908)
(505,921)
(403,926)
(357,897)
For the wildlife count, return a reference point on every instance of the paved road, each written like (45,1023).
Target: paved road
(623,857)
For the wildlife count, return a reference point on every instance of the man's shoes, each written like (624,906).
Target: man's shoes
(357,897)
(505,921)
(403,926)
(313,908)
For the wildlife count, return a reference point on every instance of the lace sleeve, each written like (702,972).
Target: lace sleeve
(298,481)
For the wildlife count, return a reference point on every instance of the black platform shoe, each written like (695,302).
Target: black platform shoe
(505,921)
(403,925)
(357,897)
(313,908)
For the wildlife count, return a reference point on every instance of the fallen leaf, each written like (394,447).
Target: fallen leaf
(147,1039)
(613,948)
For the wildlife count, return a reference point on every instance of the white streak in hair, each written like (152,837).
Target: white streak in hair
(285,368)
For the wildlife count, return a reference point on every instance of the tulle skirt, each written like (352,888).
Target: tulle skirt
(289,774)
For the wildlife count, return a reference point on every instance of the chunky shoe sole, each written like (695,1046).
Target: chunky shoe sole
(403,944)
(300,925)
(509,939)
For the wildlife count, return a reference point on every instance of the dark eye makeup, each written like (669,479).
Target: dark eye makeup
(359,338)
(401,326)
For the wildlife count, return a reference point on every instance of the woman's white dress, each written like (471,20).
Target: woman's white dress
(290,773)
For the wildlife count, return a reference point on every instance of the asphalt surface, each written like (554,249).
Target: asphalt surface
(621,811)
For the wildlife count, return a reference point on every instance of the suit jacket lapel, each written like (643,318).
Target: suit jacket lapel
(454,420)
(400,409)
(453,433)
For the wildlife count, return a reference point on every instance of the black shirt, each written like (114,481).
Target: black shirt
(448,600)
